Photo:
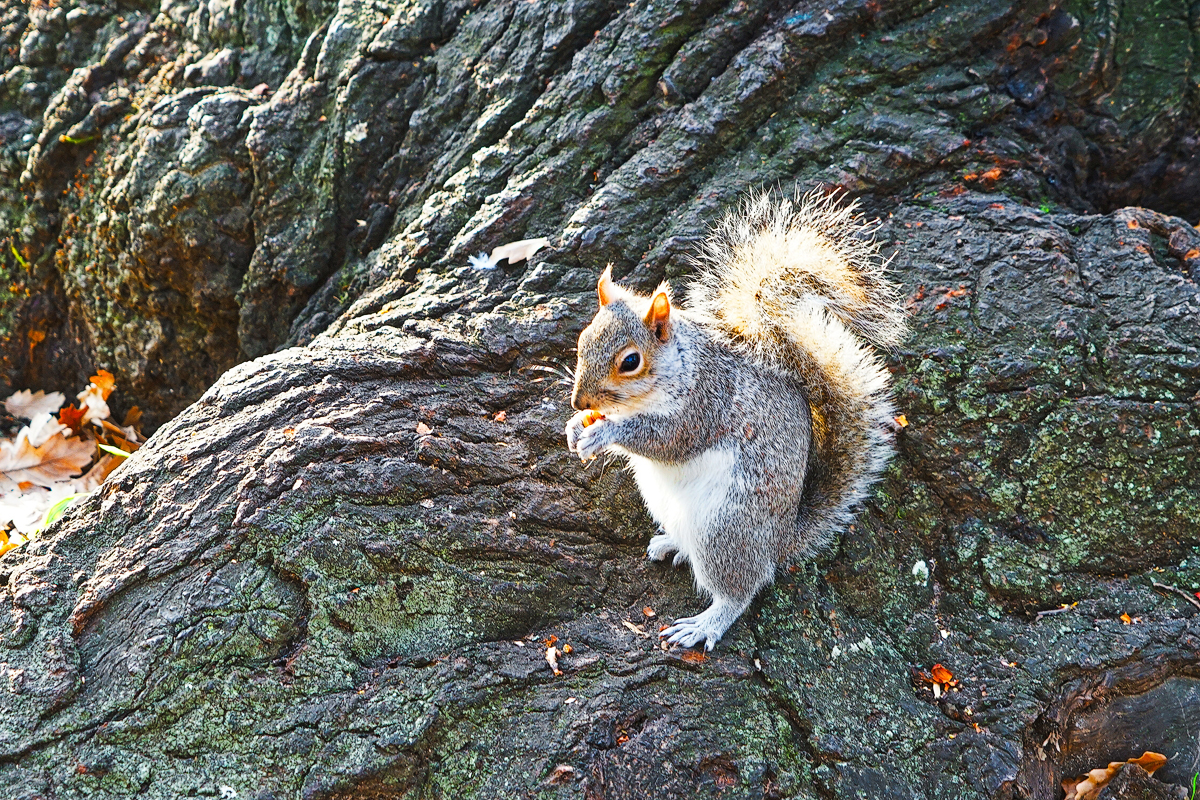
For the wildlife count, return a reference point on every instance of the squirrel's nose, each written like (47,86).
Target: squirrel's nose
(580,401)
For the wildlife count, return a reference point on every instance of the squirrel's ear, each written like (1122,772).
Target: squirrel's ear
(606,288)
(658,318)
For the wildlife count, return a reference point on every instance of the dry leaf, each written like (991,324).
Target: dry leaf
(649,612)
(56,461)
(941,675)
(1087,787)
(423,429)
(42,427)
(518,251)
(638,629)
(72,417)
(992,174)
(104,381)
(97,474)
(27,405)
(10,542)
(91,400)
(693,656)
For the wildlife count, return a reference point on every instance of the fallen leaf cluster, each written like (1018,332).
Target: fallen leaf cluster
(1087,787)
(62,454)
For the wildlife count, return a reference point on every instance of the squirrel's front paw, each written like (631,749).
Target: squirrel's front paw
(588,434)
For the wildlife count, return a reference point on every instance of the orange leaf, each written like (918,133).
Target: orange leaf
(105,382)
(940,674)
(1149,761)
(132,417)
(1128,620)
(1087,787)
(72,417)
(648,611)
(992,174)
(692,656)
(7,544)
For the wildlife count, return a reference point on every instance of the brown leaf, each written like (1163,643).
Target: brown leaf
(133,417)
(1149,761)
(58,460)
(27,405)
(649,612)
(1087,787)
(693,656)
(423,429)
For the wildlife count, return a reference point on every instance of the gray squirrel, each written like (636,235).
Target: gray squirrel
(756,419)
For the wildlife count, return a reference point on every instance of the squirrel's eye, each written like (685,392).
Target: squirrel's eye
(630,362)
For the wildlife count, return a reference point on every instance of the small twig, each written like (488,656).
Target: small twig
(1052,611)
(1164,587)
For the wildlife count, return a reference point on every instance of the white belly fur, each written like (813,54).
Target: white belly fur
(685,498)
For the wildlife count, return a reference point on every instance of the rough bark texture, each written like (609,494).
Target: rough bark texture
(332,575)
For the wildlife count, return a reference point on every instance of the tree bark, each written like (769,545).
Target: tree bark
(335,572)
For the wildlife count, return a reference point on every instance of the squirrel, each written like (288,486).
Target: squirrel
(755,419)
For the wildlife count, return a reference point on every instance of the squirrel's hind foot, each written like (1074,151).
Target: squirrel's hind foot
(708,626)
(662,546)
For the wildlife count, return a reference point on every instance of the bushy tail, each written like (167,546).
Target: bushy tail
(800,287)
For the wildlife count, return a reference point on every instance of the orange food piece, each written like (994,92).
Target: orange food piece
(592,416)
